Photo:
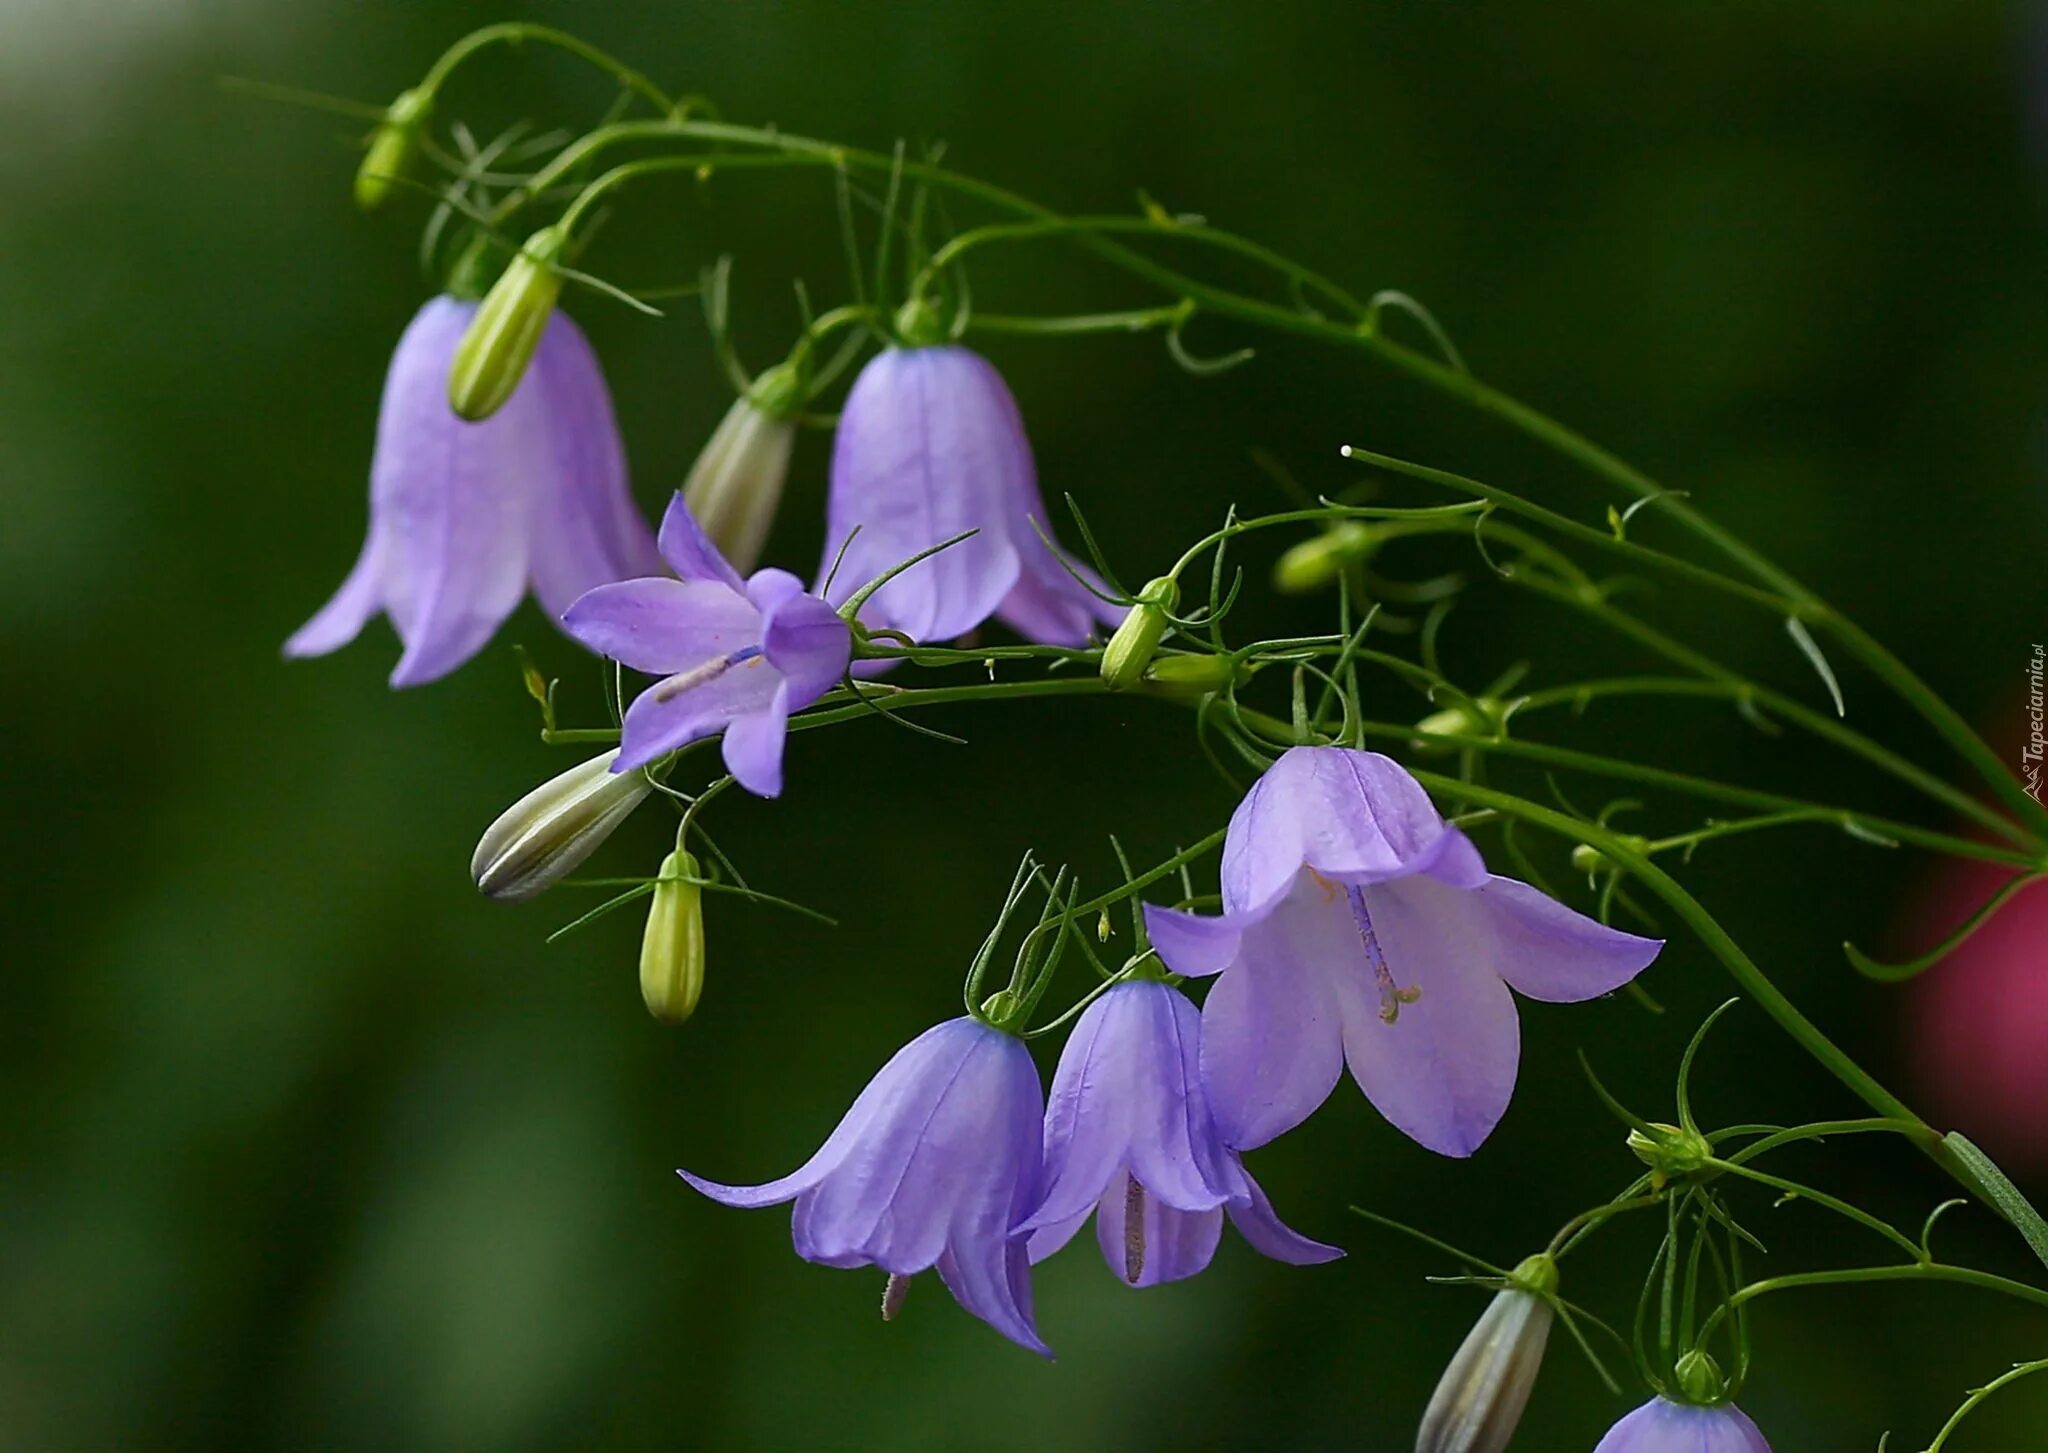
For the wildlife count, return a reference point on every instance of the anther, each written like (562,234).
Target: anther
(893,1293)
(1134,1231)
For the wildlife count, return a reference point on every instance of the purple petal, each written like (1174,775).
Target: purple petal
(1547,951)
(806,641)
(586,530)
(1192,944)
(1267,1234)
(1444,1069)
(339,621)
(1176,1244)
(1047,604)
(993,1281)
(1272,1036)
(929,446)
(662,626)
(689,550)
(1666,1427)
(693,704)
(1353,816)
(753,746)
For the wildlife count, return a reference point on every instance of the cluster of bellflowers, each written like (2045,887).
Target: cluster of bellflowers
(1357,929)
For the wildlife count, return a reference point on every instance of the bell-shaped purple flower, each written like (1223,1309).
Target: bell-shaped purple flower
(930,445)
(933,1165)
(465,517)
(1360,928)
(1129,1138)
(1662,1426)
(738,655)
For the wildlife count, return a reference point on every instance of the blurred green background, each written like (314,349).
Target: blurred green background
(306,1145)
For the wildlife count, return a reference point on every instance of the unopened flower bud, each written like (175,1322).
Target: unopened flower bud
(392,147)
(493,354)
(1672,1153)
(1130,649)
(735,486)
(1480,1399)
(672,948)
(1479,718)
(1191,677)
(1699,1378)
(1589,860)
(545,835)
(1317,562)
(919,324)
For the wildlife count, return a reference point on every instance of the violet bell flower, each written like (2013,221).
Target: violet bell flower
(1360,928)
(464,517)
(930,445)
(1129,1139)
(1663,1426)
(933,1165)
(738,655)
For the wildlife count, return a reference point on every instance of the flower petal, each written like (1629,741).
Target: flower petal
(689,550)
(339,621)
(1267,1234)
(753,746)
(1192,944)
(1047,604)
(1547,951)
(662,626)
(586,530)
(1354,816)
(1175,1244)
(693,704)
(806,641)
(1444,1069)
(929,446)
(1272,1037)
(1666,1427)
(993,1281)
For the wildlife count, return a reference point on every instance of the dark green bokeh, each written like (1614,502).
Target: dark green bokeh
(306,1145)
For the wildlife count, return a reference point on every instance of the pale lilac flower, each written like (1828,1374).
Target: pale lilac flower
(738,655)
(1661,1426)
(933,1165)
(464,518)
(1360,928)
(930,445)
(1129,1138)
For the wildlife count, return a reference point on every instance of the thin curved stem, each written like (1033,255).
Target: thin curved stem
(517,32)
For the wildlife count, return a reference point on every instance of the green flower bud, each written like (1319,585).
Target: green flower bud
(1589,859)
(545,835)
(392,147)
(1188,678)
(1672,1153)
(1316,563)
(492,356)
(672,948)
(1480,1399)
(735,486)
(1460,720)
(1700,1380)
(1130,650)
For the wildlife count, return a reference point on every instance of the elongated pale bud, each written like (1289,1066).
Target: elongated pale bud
(1191,677)
(492,356)
(735,486)
(392,147)
(672,948)
(1131,648)
(1317,562)
(1480,1400)
(545,835)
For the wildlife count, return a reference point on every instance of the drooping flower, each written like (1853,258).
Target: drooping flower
(542,838)
(1129,1138)
(935,1163)
(739,656)
(1479,1401)
(464,518)
(1360,928)
(930,445)
(1662,1426)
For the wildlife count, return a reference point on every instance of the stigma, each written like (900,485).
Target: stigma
(1392,995)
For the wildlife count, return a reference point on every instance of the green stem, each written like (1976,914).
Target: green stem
(1978,1395)
(517,32)
(1857,1276)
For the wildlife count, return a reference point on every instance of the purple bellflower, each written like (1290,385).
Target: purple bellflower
(738,655)
(465,517)
(1129,1138)
(1662,1426)
(935,1163)
(1360,928)
(930,445)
